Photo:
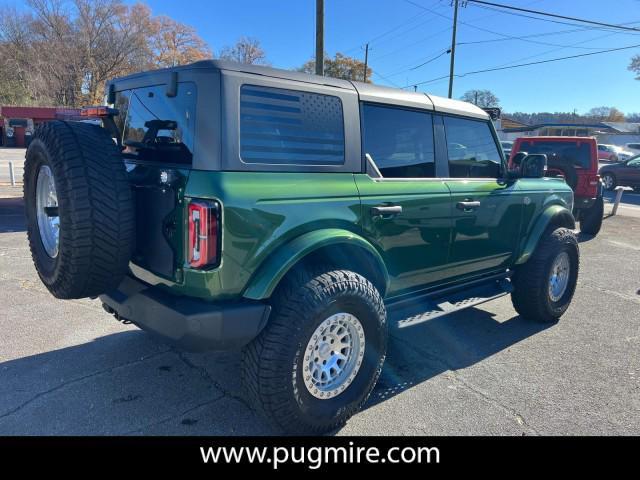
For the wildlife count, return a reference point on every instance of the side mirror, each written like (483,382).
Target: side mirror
(533,166)
(517,159)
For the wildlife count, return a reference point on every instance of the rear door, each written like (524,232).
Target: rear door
(405,213)
(486,209)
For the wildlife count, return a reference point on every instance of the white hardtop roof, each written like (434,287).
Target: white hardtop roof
(366,91)
(396,96)
(448,105)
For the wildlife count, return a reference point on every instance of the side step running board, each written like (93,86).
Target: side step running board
(436,305)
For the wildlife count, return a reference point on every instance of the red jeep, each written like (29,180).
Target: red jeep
(575,159)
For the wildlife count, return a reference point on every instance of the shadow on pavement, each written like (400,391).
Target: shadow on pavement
(12,217)
(585,237)
(126,383)
(452,342)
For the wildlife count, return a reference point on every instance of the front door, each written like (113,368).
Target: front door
(406,212)
(486,209)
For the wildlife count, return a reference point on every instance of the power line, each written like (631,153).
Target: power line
(494,69)
(431,59)
(547,14)
(470,25)
(387,79)
(407,67)
(423,39)
(377,57)
(558,49)
(411,66)
(506,12)
(393,29)
(525,37)
(544,34)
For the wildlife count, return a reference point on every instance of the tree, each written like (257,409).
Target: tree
(341,66)
(634,66)
(174,43)
(632,117)
(61,52)
(606,114)
(481,98)
(246,50)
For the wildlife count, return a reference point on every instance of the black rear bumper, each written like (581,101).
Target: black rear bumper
(188,323)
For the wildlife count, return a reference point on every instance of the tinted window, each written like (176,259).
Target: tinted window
(577,154)
(279,126)
(633,145)
(18,122)
(399,141)
(472,149)
(635,162)
(158,127)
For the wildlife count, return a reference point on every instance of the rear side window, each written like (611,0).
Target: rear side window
(157,127)
(399,141)
(577,154)
(472,150)
(634,145)
(290,127)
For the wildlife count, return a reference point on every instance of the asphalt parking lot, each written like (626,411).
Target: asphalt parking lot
(66,367)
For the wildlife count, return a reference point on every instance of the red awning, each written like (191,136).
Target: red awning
(38,113)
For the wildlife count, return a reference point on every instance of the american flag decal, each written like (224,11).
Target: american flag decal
(281,126)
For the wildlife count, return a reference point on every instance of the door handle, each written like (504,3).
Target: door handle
(386,210)
(467,205)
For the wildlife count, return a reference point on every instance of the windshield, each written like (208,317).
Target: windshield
(577,154)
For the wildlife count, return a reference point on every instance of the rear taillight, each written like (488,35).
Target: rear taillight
(590,185)
(204,233)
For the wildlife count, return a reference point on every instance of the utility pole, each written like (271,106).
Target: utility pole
(366,61)
(453,47)
(476,98)
(319,37)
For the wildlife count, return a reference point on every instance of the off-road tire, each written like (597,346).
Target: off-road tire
(95,205)
(272,365)
(531,297)
(591,218)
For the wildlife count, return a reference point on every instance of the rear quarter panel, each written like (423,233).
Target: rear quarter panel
(261,211)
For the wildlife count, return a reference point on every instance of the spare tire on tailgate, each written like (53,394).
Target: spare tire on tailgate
(79,206)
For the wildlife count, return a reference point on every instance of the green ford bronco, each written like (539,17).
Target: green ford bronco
(227,206)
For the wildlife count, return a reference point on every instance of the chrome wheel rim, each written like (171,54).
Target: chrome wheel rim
(47,211)
(559,276)
(333,355)
(608,181)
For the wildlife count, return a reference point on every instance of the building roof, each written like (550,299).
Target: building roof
(529,128)
(507,122)
(623,127)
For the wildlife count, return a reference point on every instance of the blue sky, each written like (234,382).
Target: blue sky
(402,36)
(286,29)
